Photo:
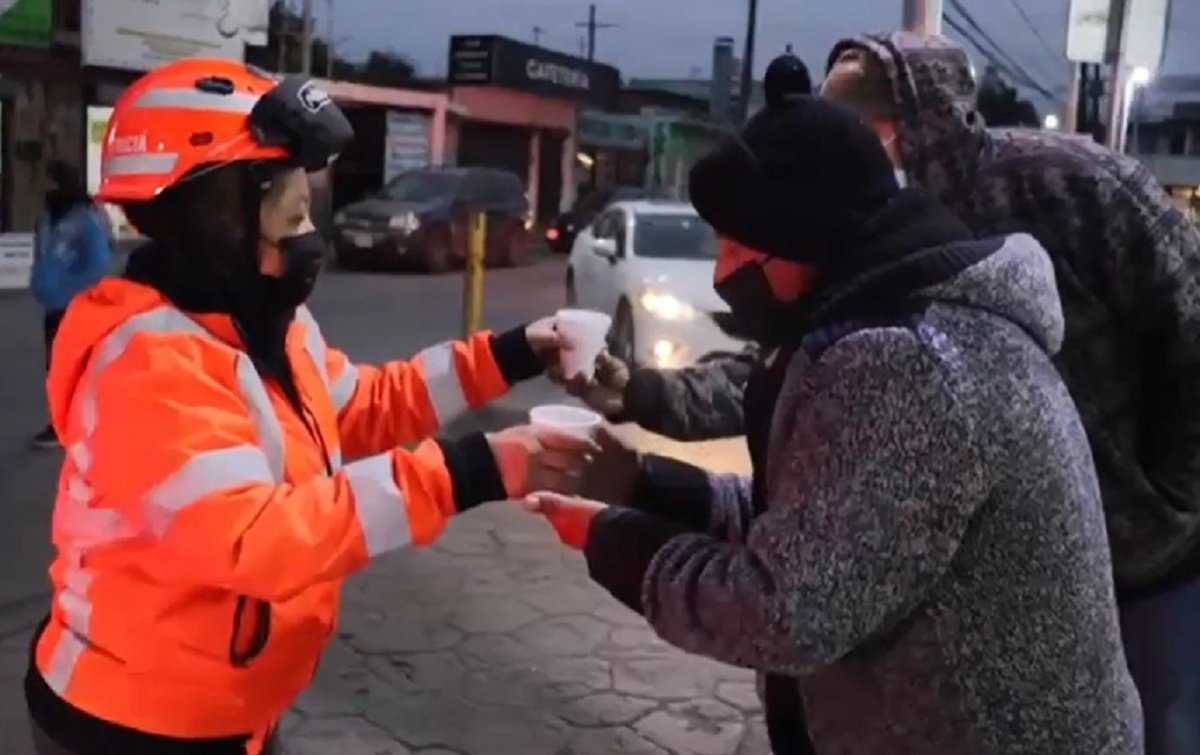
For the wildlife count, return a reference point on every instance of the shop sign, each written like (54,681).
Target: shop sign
(406,143)
(26,22)
(490,60)
(137,36)
(16,260)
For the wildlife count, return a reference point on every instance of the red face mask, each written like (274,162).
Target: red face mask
(759,290)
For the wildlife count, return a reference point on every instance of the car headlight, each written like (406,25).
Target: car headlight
(665,306)
(405,222)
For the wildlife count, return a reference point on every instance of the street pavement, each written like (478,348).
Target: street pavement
(491,642)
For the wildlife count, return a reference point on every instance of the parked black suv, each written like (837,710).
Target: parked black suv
(421,219)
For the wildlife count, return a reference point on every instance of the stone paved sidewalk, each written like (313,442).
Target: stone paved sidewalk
(495,642)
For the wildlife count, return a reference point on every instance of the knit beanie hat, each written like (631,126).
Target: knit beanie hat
(786,77)
(798,182)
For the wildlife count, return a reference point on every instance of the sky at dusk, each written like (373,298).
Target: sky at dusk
(673,38)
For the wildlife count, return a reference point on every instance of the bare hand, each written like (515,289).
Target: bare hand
(611,474)
(544,339)
(605,391)
(570,516)
(533,458)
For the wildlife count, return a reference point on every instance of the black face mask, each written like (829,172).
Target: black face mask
(303,256)
(758,316)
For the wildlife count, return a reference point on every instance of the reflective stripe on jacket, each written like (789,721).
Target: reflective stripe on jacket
(203,526)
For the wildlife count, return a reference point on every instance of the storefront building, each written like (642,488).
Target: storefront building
(612,149)
(676,143)
(394,130)
(520,106)
(40,119)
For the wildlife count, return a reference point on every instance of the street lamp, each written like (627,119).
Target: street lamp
(1050,122)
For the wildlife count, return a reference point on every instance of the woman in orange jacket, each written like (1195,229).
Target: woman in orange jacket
(226,468)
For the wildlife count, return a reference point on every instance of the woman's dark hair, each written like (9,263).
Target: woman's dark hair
(226,197)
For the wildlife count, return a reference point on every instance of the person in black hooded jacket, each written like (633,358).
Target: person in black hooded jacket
(920,556)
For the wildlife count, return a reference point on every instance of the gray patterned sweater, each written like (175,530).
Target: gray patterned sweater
(932,563)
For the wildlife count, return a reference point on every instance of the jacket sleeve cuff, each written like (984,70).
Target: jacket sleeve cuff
(674,490)
(515,357)
(642,400)
(474,475)
(620,546)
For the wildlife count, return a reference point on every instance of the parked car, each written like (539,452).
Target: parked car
(650,264)
(560,235)
(421,219)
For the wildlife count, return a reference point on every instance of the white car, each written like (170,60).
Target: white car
(650,265)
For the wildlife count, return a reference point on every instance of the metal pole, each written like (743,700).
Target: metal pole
(329,42)
(473,279)
(931,16)
(1070,123)
(591,33)
(748,59)
(922,16)
(306,36)
(1116,119)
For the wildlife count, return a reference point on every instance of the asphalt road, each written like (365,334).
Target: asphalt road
(490,643)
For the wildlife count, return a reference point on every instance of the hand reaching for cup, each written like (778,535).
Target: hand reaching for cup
(570,516)
(604,390)
(531,458)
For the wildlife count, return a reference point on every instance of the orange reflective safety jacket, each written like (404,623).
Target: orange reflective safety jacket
(203,525)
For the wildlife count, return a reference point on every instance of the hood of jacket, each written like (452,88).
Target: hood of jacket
(1015,282)
(940,135)
(92,317)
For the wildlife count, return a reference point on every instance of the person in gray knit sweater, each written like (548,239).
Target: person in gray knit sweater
(919,564)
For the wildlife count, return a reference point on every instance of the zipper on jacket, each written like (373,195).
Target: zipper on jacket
(248,641)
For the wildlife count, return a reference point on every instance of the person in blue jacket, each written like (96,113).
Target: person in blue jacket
(72,251)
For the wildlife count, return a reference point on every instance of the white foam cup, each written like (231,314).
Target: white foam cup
(583,333)
(568,420)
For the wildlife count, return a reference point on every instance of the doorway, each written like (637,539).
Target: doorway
(550,175)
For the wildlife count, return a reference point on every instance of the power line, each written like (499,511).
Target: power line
(1033,28)
(998,50)
(1018,76)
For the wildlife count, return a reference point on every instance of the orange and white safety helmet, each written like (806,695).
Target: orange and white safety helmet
(195,113)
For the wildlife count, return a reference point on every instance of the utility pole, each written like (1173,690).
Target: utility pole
(592,26)
(329,40)
(306,39)
(748,60)
(922,16)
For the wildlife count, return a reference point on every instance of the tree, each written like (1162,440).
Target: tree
(1001,104)
(283,53)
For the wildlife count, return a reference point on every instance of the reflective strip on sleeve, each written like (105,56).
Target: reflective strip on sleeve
(379,504)
(342,388)
(436,365)
(200,477)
